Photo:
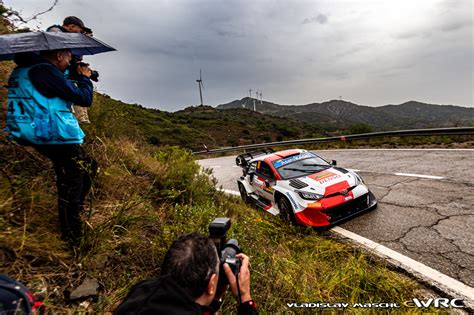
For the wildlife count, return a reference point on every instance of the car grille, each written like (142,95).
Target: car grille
(338,212)
(339,192)
(296,183)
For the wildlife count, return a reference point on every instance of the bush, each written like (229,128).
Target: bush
(360,128)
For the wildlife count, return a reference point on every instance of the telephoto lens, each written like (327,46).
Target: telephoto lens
(94,75)
(231,249)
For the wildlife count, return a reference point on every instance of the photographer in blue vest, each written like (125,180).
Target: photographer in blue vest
(39,114)
(73,24)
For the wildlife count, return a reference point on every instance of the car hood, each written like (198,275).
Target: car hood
(326,182)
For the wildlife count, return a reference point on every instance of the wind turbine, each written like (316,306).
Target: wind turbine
(201,85)
(261,99)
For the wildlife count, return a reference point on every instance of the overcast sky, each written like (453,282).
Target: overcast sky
(297,52)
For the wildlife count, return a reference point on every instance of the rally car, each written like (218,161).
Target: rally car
(302,187)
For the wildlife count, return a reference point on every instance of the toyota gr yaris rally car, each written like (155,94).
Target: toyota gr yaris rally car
(302,187)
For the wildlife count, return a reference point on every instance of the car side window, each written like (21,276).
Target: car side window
(264,170)
(252,167)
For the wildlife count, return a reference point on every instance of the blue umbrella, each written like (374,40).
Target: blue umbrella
(79,44)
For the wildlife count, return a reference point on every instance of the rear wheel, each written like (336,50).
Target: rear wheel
(243,193)
(286,210)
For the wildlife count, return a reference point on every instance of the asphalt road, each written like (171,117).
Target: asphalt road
(426,202)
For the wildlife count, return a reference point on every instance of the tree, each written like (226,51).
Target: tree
(17,21)
(360,128)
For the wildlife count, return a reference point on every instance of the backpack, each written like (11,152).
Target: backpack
(16,299)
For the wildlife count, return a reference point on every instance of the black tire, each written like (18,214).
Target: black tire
(371,199)
(243,193)
(286,210)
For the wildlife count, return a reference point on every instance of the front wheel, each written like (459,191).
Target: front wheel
(286,210)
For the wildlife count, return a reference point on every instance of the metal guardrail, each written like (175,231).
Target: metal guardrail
(396,133)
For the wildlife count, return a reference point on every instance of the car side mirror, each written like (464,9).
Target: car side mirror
(334,162)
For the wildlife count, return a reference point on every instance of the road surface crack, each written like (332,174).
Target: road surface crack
(392,186)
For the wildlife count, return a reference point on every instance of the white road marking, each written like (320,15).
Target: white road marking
(443,282)
(356,170)
(352,169)
(419,175)
(231,192)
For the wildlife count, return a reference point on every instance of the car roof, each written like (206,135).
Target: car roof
(278,155)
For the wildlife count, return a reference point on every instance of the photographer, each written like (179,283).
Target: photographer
(38,90)
(73,24)
(188,283)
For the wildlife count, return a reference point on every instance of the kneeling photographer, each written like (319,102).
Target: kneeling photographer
(195,274)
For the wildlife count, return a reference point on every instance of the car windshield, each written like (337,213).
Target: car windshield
(302,167)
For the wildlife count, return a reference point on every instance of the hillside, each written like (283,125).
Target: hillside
(194,126)
(338,114)
(237,126)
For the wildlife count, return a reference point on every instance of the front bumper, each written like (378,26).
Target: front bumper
(320,217)
(351,208)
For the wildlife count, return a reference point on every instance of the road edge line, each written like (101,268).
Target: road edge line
(419,175)
(442,282)
(231,192)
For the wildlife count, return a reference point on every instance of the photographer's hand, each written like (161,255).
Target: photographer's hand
(84,70)
(244,279)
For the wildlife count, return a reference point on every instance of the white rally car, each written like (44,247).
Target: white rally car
(302,187)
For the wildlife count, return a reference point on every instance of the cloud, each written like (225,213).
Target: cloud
(411,34)
(232,34)
(320,18)
(455,25)
(335,74)
(279,47)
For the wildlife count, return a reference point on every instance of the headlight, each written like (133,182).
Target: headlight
(358,179)
(309,196)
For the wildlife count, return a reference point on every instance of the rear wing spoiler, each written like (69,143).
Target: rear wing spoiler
(242,160)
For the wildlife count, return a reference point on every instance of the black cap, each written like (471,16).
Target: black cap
(73,20)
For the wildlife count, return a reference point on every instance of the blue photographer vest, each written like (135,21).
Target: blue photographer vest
(36,119)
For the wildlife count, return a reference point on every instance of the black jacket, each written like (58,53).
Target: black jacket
(164,296)
(51,82)
(160,296)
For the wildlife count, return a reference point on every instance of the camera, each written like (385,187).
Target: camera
(72,69)
(94,73)
(227,250)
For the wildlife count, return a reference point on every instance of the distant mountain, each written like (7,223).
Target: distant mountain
(338,114)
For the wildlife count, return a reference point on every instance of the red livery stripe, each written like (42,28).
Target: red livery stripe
(336,188)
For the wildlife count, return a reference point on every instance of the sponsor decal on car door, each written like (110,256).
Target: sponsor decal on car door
(263,180)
